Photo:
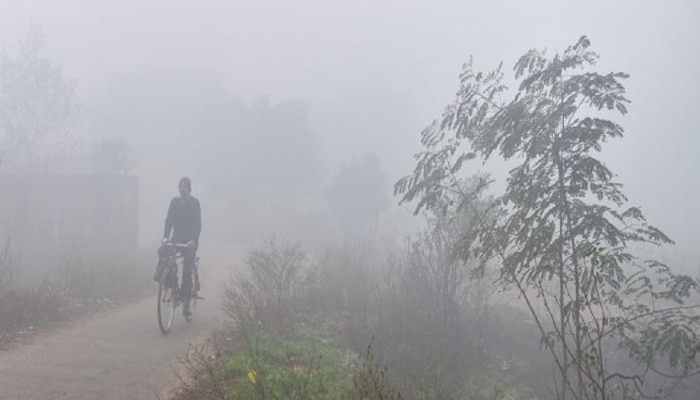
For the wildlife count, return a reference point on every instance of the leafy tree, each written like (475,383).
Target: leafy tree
(36,101)
(562,231)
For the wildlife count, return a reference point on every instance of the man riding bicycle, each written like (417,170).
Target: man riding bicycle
(184,221)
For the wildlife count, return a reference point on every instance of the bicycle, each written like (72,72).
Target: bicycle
(169,287)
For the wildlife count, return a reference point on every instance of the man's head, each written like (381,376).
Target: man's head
(185,187)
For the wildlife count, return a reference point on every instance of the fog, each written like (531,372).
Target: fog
(294,120)
(370,75)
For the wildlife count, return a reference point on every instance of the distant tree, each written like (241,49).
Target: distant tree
(112,157)
(36,101)
(282,149)
(7,267)
(260,162)
(264,157)
(564,233)
(358,194)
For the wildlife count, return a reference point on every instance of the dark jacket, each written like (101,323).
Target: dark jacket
(184,219)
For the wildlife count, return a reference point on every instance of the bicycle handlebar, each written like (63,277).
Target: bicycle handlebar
(176,245)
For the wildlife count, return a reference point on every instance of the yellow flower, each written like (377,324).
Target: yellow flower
(251,376)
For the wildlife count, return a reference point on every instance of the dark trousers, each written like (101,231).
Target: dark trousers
(187,268)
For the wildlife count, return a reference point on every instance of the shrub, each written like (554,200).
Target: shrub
(269,288)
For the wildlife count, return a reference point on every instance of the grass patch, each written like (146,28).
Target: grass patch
(299,367)
(22,310)
(305,363)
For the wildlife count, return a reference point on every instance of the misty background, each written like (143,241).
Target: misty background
(268,105)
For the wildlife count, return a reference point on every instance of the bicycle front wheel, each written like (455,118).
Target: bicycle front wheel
(195,294)
(167,298)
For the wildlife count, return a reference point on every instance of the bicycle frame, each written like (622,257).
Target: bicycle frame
(177,254)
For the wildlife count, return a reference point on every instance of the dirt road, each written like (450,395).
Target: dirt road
(120,354)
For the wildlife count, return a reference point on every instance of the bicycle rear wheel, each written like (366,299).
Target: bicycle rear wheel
(167,299)
(193,307)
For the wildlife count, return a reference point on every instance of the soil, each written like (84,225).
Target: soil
(117,353)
